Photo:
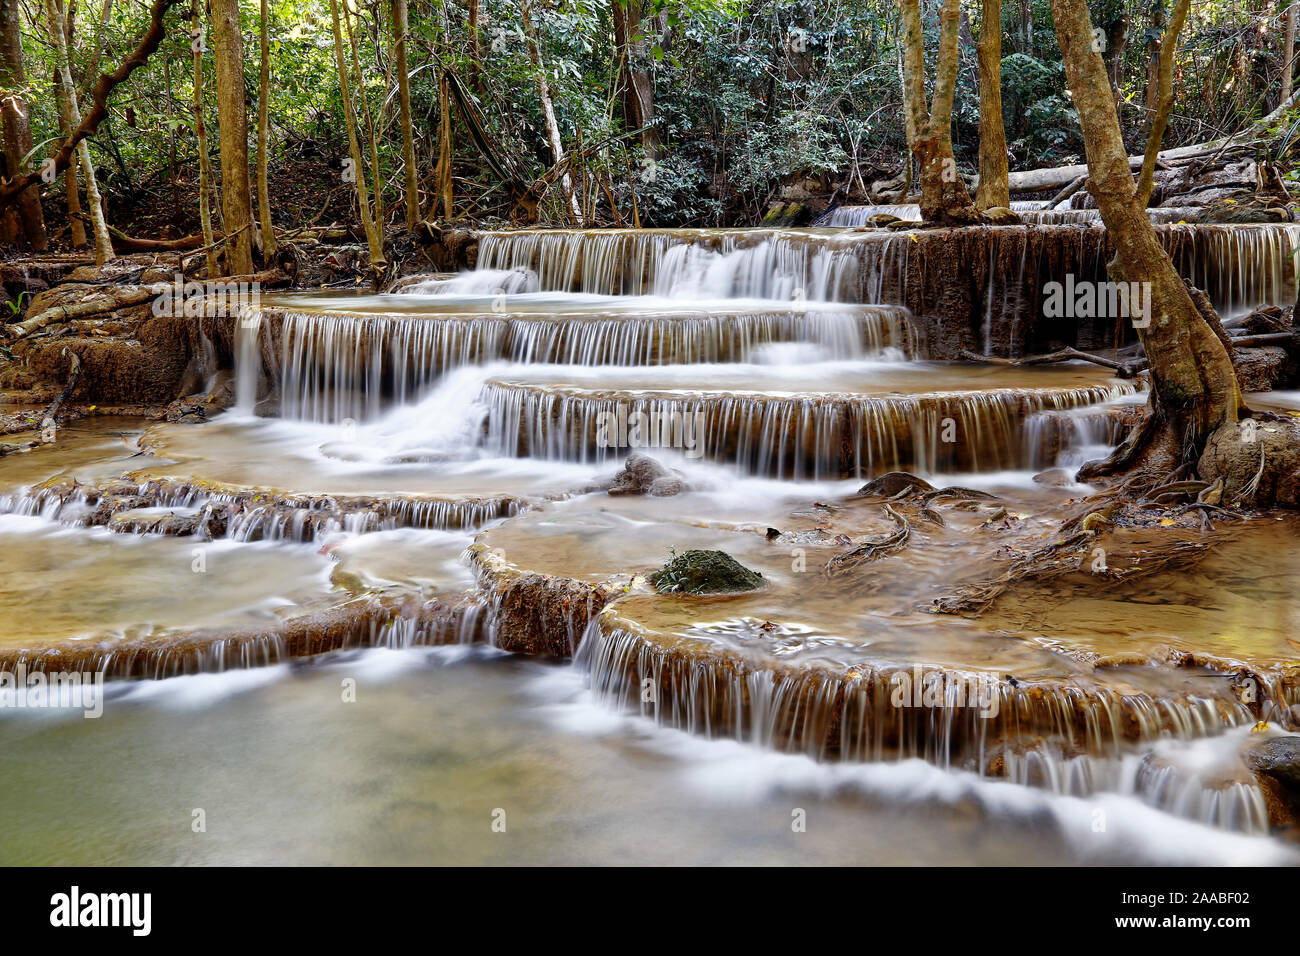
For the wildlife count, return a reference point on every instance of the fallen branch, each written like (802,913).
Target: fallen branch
(1069,353)
(50,420)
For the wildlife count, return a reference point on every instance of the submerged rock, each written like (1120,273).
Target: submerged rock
(642,475)
(1258,460)
(704,572)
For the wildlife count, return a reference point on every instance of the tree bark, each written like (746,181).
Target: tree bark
(232,117)
(636,86)
(14,118)
(548,110)
(992,190)
(1160,120)
(264,136)
(373,238)
(944,198)
(68,105)
(1288,51)
(197,47)
(1195,387)
(400,30)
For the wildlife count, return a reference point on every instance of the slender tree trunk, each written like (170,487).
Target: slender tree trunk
(1165,105)
(58,38)
(197,47)
(445,149)
(371,132)
(548,110)
(232,117)
(373,239)
(400,30)
(16,123)
(1192,375)
(71,175)
(992,189)
(943,195)
(475,46)
(1155,32)
(264,137)
(1288,51)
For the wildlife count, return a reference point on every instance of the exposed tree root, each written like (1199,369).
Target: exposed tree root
(871,550)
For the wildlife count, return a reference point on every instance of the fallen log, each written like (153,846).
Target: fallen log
(138,295)
(124,243)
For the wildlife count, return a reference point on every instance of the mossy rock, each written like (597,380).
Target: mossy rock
(704,572)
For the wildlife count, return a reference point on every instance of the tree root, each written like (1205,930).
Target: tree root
(871,550)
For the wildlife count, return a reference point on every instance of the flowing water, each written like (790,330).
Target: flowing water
(428,467)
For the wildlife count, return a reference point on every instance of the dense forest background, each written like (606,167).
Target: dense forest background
(669,112)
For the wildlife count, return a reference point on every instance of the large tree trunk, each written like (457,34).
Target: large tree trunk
(197,47)
(1165,103)
(232,117)
(1192,375)
(264,136)
(400,29)
(16,125)
(72,113)
(548,110)
(944,197)
(992,189)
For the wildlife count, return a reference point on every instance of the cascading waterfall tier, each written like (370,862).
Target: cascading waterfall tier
(847,217)
(342,365)
(775,433)
(980,289)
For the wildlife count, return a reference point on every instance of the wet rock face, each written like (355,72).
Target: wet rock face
(642,475)
(704,572)
(1278,759)
(1256,458)
(1264,369)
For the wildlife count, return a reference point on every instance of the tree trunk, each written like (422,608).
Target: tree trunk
(197,47)
(636,86)
(548,110)
(264,136)
(232,118)
(1166,102)
(1288,51)
(400,30)
(1195,387)
(16,124)
(944,198)
(68,104)
(445,149)
(992,189)
(371,130)
(373,238)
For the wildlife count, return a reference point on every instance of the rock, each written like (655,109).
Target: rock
(1267,446)
(1002,216)
(883,219)
(642,475)
(1278,758)
(1056,477)
(704,572)
(891,483)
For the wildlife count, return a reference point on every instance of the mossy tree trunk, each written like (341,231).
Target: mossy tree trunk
(232,117)
(16,124)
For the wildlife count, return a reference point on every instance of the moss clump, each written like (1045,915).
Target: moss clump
(704,572)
